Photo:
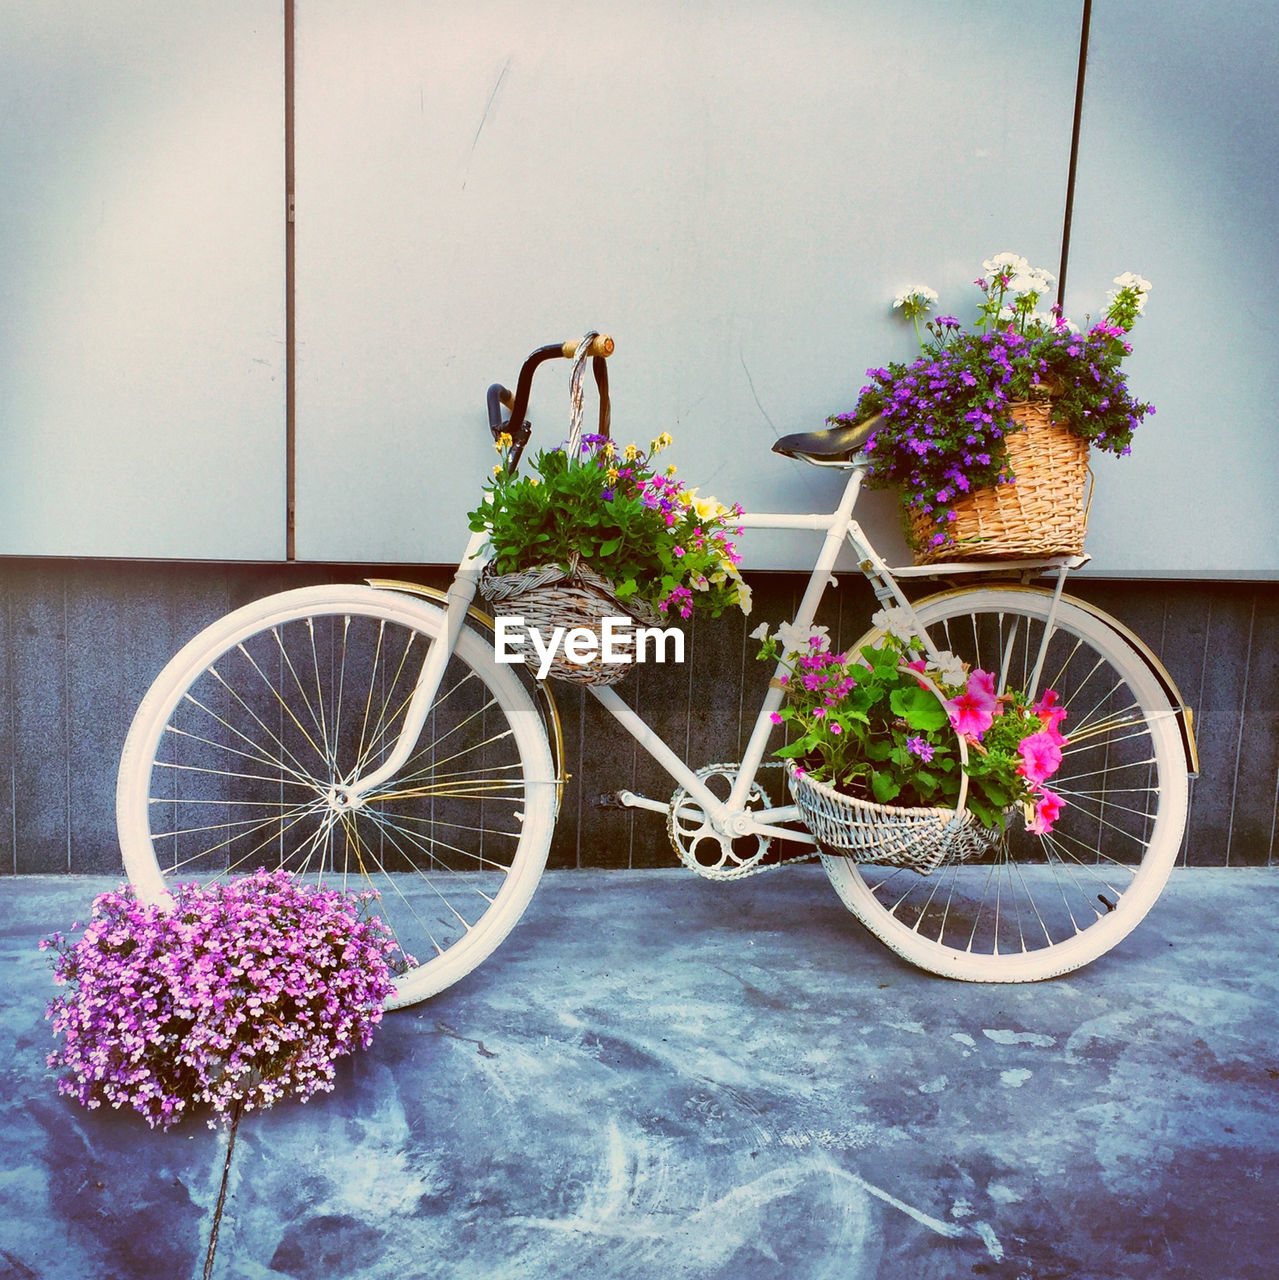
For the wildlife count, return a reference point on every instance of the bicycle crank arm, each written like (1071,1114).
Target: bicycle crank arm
(629,800)
(762,822)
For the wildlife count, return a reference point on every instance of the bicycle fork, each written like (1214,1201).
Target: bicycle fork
(461,593)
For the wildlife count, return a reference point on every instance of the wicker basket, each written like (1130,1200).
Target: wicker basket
(918,839)
(1042,514)
(549,596)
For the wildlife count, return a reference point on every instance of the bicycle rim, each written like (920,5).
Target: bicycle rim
(1038,906)
(238,755)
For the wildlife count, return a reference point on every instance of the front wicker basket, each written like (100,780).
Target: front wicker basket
(1042,513)
(548,596)
(922,839)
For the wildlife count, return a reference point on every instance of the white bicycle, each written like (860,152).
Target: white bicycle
(366,736)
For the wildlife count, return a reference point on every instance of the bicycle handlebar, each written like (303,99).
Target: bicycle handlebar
(600,347)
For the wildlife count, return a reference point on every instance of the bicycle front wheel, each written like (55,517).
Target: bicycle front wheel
(1039,906)
(238,758)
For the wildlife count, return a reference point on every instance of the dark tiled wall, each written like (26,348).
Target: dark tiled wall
(80,642)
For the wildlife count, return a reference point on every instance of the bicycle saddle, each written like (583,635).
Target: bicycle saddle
(834,444)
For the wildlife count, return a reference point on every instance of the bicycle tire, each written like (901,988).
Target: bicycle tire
(235,754)
(1038,907)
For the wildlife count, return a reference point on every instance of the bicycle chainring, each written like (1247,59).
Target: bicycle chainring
(711,853)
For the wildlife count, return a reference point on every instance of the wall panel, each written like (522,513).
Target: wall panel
(736,192)
(1179,180)
(80,643)
(142,292)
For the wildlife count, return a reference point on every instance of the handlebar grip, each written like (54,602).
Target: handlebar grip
(601,345)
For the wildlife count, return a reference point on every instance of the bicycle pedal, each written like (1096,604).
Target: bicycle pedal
(609,800)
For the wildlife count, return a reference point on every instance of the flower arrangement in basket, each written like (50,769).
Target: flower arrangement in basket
(986,435)
(232,997)
(895,758)
(594,531)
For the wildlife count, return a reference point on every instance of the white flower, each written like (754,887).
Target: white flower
(1138,285)
(1041,322)
(1032,280)
(1005,264)
(760,632)
(894,621)
(950,669)
(917,298)
(795,640)
(1130,280)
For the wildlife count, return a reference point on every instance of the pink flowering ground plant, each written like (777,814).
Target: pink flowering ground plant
(244,992)
(613,510)
(867,724)
(943,418)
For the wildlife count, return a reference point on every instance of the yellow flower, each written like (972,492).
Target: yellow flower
(708,508)
(497,470)
(504,441)
(662,442)
(608,449)
(631,453)
(670,471)
(612,474)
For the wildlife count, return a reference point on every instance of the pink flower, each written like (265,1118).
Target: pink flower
(973,712)
(818,712)
(834,727)
(1040,755)
(920,664)
(775,718)
(982,683)
(1048,809)
(1049,713)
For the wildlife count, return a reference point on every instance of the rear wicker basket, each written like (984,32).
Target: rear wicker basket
(918,839)
(1041,514)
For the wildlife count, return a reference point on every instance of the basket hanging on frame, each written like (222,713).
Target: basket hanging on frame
(919,839)
(1043,513)
(547,596)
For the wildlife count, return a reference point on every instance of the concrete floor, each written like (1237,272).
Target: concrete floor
(661,1077)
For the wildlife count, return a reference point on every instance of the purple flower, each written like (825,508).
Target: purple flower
(245,992)
(920,747)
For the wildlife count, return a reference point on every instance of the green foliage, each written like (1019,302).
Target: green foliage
(944,418)
(609,510)
(885,724)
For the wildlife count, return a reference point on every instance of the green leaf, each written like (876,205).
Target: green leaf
(883,787)
(919,708)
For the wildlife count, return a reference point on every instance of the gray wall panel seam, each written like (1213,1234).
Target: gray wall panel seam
(1239,736)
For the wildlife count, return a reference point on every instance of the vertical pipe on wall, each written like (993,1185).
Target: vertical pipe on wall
(1074,152)
(290,318)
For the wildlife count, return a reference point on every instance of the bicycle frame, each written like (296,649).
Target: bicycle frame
(730,817)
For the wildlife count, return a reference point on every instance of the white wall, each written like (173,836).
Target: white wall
(141,278)
(734,191)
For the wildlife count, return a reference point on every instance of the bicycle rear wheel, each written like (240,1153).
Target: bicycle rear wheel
(238,754)
(1038,906)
